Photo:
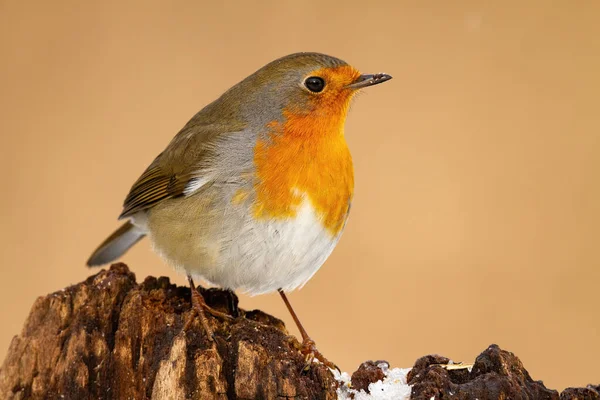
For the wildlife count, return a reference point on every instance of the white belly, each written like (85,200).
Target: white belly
(255,256)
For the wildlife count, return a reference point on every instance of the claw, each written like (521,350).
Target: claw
(310,352)
(200,308)
(218,314)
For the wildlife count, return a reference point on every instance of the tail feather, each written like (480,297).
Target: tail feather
(116,245)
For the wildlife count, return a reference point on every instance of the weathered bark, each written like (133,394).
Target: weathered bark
(110,338)
(496,374)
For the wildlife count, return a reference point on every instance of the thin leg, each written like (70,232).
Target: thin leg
(198,307)
(309,349)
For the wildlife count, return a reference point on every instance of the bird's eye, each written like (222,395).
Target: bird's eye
(314,84)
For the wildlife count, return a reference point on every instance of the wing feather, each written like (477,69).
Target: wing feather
(177,171)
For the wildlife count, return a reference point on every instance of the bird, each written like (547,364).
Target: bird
(254,192)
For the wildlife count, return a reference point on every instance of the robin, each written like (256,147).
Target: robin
(255,190)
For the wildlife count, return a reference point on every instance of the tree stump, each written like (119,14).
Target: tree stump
(111,338)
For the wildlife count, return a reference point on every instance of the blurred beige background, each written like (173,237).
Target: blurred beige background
(477,211)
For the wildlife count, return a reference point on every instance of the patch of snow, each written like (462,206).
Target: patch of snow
(392,387)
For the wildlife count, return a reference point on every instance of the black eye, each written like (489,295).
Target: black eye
(314,84)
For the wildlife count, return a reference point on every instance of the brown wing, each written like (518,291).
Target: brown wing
(152,187)
(170,172)
(178,166)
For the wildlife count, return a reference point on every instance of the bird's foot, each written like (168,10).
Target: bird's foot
(198,308)
(218,314)
(310,352)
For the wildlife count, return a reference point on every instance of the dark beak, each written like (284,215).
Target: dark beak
(369,80)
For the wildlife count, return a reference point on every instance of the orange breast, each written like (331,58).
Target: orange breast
(306,155)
